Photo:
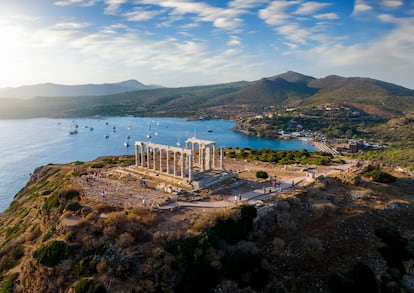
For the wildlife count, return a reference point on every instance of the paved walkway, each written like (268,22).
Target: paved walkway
(230,201)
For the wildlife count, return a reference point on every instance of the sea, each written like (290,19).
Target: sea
(29,143)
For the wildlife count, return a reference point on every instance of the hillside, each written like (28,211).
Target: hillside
(59,90)
(288,89)
(342,231)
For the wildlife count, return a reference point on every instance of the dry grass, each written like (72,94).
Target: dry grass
(210,219)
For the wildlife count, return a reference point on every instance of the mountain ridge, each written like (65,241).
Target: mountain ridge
(289,89)
(50,89)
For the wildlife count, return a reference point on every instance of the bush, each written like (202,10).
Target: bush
(245,268)
(88,286)
(69,193)
(380,176)
(395,251)
(47,236)
(7,286)
(52,254)
(51,202)
(73,206)
(233,230)
(10,255)
(360,279)
(98,165)
(262,174)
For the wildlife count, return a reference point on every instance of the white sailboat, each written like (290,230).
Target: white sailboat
(126,142)
(149,132)
(74,128)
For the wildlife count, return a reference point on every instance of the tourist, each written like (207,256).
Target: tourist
(144,201)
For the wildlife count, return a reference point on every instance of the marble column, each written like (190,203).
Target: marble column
(142,155)
(175,163)
(202,159)
(161,160)
(148,156)
(190,168)
(168,161)
(154,157)
(136,156)
(182,164)
(222,158)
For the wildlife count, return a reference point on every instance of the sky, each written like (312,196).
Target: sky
(178,43)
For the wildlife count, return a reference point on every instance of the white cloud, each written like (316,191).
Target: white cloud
(287,19)
(141,15)
(386,18)
(275,13)
(389,58)
(310,7)
(84,3)
(223,18)
(246,4)
(328,16)
(71,25)
(67,2)
(113,6)
(123,52)
(294,33)
(392,3)
(291,45)
(234,41)
(360,6)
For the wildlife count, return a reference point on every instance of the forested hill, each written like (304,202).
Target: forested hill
(55,90)
(285,90)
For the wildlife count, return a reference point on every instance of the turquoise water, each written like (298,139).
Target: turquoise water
(28,143)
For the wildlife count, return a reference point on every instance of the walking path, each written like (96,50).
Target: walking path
(231,200)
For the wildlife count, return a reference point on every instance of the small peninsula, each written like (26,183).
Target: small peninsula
(334,226)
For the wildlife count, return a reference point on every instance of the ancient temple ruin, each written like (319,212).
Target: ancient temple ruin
(198,156)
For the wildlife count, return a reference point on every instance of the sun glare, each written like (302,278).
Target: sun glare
(11,53)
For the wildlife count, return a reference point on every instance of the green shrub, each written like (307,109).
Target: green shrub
(380,176)
(10,256)
(52,254)
(262,174)
(88,286)
(47,236)
(7,286)
(80,172)
(245,268)
(87,266)
(360,279)
(98,165)
(51,202)
(395,251)
(73,206)
(69,193)
(46,192)
(234,229)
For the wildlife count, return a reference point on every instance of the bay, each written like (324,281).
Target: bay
(29,143)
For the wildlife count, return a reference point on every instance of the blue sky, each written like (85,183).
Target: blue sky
(183,42)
